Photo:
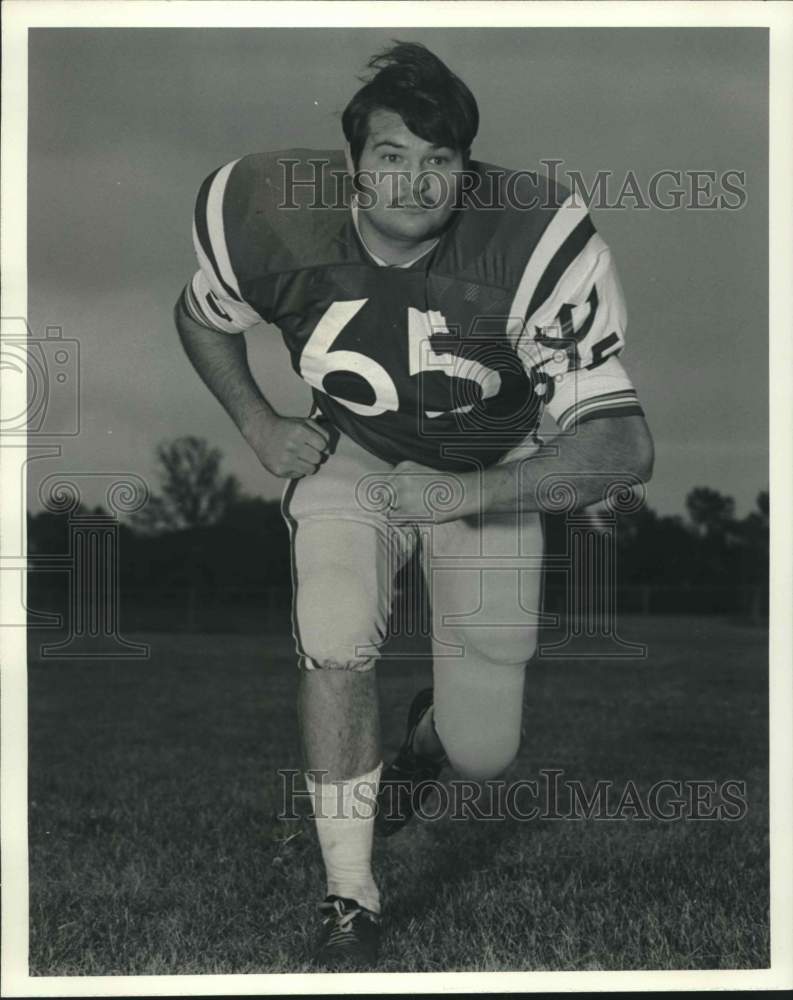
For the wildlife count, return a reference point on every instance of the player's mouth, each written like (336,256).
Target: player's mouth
(411,208)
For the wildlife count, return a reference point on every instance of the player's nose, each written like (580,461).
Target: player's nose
(420,186)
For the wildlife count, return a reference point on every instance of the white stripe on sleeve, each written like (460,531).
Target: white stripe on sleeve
(218,311)
(568,216)
(217,231)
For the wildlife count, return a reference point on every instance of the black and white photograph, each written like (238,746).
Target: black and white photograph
(396,478)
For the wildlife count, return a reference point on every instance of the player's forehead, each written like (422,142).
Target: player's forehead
(386,128)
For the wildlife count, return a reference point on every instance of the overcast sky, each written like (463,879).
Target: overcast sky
(124,125)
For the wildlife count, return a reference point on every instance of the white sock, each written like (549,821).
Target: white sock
(344,815)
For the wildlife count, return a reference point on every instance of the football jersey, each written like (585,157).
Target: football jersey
(448,360)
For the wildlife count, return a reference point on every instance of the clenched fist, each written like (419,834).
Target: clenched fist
(288,447)
(423,494)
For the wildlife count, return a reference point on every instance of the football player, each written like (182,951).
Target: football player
(436,305)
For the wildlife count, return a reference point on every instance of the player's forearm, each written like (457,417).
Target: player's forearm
(599,449)
(221,361)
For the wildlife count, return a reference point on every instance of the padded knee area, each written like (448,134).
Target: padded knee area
(340,647)
(340,627)
(510,646)
(478,711)
(342,582)
(327,663)
(479,759)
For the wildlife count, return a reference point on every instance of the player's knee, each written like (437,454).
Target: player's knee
(507,645)
(480,761)
(338,634)
(340,650)
(338,662)
(340,645)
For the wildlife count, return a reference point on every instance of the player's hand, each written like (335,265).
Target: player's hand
(424,494)
(289,447)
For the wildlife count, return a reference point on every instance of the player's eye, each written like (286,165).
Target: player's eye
(391,157)
(439,161)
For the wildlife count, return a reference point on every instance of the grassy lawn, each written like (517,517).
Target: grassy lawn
(155,846)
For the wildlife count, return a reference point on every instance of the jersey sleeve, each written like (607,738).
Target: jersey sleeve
(574,327)
(213,297)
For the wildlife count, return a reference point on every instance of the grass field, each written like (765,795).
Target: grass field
(155,847)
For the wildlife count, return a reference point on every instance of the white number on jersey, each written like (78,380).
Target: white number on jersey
(422,358)
(318,360)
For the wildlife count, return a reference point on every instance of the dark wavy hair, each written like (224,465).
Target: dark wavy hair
(434,103)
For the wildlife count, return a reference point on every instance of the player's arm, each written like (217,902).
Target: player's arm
(211,317)
(569,345)
(611,449)
(597,452)
(286,446)
(222,362)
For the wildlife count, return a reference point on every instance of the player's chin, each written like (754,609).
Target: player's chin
(417,223)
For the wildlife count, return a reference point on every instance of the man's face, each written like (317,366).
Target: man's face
(409,185)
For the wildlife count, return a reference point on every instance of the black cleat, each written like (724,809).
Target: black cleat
(350,936)
(399,794)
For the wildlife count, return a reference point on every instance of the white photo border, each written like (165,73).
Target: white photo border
(20,15)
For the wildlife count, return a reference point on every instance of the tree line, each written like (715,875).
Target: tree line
(200,537)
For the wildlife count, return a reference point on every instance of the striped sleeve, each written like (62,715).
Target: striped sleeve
(213,297)
(569,320)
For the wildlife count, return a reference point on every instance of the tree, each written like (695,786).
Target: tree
(753,539)
(764,505)
(194,492)
(712,513)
